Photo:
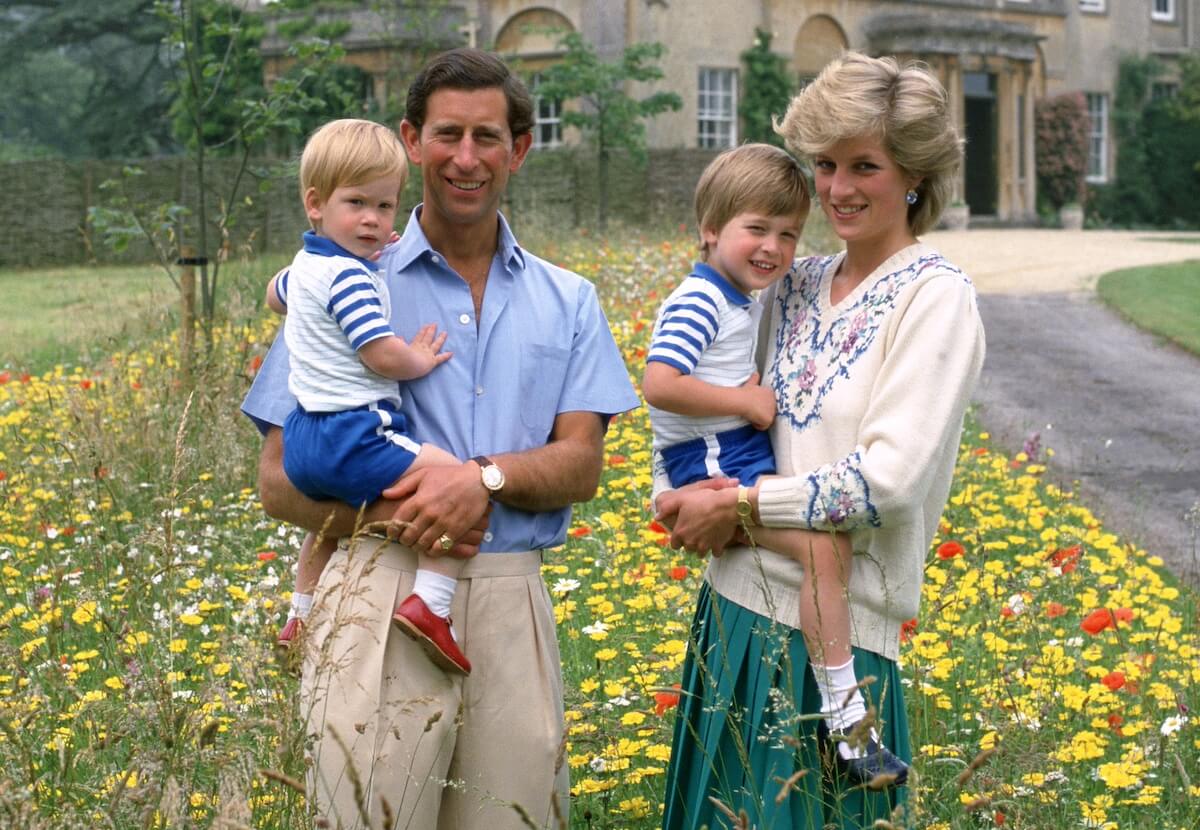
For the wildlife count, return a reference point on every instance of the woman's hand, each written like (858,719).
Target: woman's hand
(702,516)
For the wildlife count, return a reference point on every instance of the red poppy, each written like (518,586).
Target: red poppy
(616,459)
(665,700)
(1097,621)
(3,475)
(679,572)
(1066,559)
(266,555)
(1114,722)
(949,550)
(907,629)
(639,325)
(1124,614)
(582,530)
(26,377)
(85,384)
(1007,612)
(256,363)
(1055,609)
(1113,680)
(999,818)
(5,377)
(658,528)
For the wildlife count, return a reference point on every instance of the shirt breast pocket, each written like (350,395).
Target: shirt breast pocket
(543,373)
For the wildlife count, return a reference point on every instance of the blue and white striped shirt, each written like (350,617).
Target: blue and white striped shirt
(705,328)
(337,303)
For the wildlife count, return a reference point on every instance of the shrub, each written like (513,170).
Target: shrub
(1061,139)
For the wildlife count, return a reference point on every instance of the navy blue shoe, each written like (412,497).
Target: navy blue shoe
(877,769)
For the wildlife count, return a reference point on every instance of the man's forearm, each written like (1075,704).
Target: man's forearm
(563,472)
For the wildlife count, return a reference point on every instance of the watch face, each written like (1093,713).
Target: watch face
(493,477)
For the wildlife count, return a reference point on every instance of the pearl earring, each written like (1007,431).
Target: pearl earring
(911,197)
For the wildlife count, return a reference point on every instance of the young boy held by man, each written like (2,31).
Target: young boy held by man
(346,438)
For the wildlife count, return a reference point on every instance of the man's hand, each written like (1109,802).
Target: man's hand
(437,501)
(758,402)
(702,516)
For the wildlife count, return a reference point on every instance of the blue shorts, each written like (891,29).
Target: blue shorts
(351,455)
(744,453)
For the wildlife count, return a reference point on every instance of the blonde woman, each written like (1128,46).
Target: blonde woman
(873,354)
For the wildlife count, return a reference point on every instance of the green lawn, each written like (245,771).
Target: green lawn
(1162,299)
(51,315)
(78,313)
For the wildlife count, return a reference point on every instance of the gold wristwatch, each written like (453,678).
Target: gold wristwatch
(744,510)
(491,475)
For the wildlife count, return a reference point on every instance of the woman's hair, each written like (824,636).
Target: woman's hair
(752,177)
(350,151)
(905,106)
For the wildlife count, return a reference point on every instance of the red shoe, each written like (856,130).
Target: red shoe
(432,633)
(290,632)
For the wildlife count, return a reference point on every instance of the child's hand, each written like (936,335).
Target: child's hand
(758,403)
(395,237)
(426,350)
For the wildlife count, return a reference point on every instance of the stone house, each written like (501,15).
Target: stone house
(996,58)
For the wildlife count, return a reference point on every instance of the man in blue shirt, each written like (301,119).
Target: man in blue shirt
(534,378)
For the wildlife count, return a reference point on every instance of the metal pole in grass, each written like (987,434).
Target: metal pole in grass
(187,314)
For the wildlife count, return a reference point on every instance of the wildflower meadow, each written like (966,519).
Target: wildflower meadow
(1051,677)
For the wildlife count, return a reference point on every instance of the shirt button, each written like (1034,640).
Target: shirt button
(436,259)
(487,537)
(464,318)
(478,390)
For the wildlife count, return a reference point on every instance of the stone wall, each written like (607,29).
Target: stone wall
(45,212)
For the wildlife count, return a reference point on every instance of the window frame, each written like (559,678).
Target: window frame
(1093,6)
(554,122)
(1097,137)
(1165,16)
(716,126)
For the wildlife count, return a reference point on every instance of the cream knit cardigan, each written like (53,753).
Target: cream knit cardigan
(871,395)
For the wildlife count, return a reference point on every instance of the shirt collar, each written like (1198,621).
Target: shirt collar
(706,272)
(414,244)
(319,245)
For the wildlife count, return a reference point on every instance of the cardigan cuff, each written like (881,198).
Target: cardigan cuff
(785,502)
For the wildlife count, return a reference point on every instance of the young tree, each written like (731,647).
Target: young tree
(768,90)
(220,107)
(607,113)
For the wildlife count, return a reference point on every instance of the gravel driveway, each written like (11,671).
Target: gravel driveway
(1120,408)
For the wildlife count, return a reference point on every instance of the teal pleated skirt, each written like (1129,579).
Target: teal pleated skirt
(747,722)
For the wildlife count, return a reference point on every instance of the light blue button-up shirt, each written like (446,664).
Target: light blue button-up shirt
(542,347)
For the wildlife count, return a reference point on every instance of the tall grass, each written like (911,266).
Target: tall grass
(1050,679)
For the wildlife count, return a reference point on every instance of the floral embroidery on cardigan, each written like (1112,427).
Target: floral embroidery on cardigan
(811,353)
(840,496)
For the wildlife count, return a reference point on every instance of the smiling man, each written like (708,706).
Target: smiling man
(524,402)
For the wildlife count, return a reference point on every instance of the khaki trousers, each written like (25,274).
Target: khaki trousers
(399,743)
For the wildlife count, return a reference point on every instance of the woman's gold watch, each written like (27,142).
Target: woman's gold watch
(744,510)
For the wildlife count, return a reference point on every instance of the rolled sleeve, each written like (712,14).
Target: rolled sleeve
(268,403)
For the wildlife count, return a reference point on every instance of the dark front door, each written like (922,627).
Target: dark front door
(979,93)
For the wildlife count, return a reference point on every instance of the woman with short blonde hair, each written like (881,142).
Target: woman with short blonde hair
(873,354)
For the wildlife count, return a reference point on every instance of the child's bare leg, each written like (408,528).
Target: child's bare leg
(824,609)
(313,558)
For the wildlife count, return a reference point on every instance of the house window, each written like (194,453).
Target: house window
(1097,170)
(547,121)
(1160,90)
(716,110)
(1162,10)
(1093,6)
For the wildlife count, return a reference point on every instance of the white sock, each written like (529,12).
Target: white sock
(842,703)
(436,590)
(301,605)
